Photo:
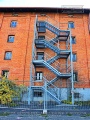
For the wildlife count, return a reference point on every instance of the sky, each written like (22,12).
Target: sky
(45,3)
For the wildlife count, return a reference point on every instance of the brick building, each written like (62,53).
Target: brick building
(47,47)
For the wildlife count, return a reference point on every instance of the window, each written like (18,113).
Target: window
(41,27)
(39,75)
(41,37)
(73,40)
(76,95)
(8,55)
(38,93)
(70,24)
(5,73)
(13,24)
(40,55)
(11,38)
(75,76)
(74,57)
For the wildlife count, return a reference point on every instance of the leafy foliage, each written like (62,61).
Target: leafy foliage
(9,90)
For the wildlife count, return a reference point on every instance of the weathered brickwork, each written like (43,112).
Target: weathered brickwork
(20,63)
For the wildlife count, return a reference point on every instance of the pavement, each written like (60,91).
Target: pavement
(27,114)
(44,117)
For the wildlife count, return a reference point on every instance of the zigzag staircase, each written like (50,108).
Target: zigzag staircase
(48,63)
(54,29)
(43,88)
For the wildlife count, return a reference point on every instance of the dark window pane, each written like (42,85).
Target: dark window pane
(74,58)
(8,55)
(40,55)
(41,37)
(75,76)
(39,75)
(38,94)
(41,27)
(5,73)
(73,40)
(76,95)
(11,38)
(70,24)
(41,23)
(13,24)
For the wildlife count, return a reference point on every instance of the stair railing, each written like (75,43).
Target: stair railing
(48,38)
(54,88)
(63,68)
(59,25)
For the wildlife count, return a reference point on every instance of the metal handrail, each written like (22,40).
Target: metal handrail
(43,80)
(56,64)
(49,19)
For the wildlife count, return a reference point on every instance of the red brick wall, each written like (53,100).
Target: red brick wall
(19,65)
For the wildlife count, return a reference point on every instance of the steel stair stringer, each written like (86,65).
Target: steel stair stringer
(51,68)
(48,44)
(52,81)
(53,59)
(56,30)
(54,40)
(48,92)
(52,95)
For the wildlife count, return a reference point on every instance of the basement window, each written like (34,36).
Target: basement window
(8,55)
(11,38)
(76,95)
(13,23)
(37,93)
(5,73)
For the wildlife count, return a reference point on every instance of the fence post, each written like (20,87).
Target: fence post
(29,89)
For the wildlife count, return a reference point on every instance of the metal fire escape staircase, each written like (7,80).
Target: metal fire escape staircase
(43,43)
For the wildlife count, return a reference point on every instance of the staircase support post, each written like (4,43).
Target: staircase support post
(72,90)
(45,98)
(29,89)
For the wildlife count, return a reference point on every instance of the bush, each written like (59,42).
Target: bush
(8,90)
(67,102)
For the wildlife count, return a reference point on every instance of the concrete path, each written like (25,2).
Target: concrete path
(44,117)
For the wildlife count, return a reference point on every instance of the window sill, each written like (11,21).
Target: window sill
(38,81)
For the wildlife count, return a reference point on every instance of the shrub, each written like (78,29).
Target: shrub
(8,90)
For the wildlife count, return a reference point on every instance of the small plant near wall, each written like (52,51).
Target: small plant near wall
(40,102)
